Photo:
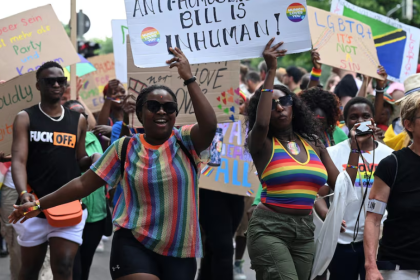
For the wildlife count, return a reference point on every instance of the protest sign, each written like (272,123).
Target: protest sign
(119,32)
(211,31)
(218,81)
(397,44)
(105,69)
(15,95)
(343,42)
(29,39)
(90,94)
(236,174)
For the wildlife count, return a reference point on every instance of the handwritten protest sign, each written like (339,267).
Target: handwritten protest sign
(212,31)
(218,81)
(90,94)
(236,174)
(105,71)
(343,42)
(119,32)
(397,44)
(29,39)
(15,95)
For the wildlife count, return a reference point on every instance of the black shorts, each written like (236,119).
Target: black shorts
(129,256)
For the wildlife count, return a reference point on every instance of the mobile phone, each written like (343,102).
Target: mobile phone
(363,129)
(216,148)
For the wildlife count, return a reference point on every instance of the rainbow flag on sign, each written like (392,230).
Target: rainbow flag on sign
(250,192)
(207,171)
(397,44)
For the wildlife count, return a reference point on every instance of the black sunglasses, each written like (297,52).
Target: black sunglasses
(154,106)
(62,81)
(285,101)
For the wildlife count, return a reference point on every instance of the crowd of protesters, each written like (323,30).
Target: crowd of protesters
(307,149)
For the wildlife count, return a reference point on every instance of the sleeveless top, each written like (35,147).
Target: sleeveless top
(288,183)
(52,151)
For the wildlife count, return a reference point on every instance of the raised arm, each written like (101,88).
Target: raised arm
(316,70)
(259,132)
(380,191)
(91,117)
(203,132)
(380,87)
(20,155)
(112,88)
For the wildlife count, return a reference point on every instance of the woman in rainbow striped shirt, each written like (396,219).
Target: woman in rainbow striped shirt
(293,165)
(156,216)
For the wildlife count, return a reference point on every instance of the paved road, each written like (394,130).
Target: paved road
(100,270)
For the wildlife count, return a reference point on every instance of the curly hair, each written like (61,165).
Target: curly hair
(304,122)
(326,101)
(141,98)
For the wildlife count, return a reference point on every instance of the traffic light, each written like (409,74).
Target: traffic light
(87,49)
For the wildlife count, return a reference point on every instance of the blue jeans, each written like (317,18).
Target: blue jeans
(348,263)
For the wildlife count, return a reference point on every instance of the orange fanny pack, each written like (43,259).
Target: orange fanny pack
(65,215)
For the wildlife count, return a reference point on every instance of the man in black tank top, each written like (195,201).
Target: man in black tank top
(48,151)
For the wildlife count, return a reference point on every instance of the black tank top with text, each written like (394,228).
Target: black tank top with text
(52,159)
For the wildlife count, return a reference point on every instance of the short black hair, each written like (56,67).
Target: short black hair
(145,92)
(47,65)
(346,87)
(253,77)
(70,103)
(262,67)
(357,100)
(295,73)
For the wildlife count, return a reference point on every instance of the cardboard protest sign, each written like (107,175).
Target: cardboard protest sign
(90,94)
(211,31)
(29,39)
(397,44)
(119,32)
(15,95)
(343,42)
(236,174)
(218,81)
(105,71)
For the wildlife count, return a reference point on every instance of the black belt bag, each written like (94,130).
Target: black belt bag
(388,265)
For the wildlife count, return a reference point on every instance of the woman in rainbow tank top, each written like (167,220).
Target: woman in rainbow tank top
(292,165)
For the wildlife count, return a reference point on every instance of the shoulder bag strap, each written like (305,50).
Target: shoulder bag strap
(124,154)
(190,157)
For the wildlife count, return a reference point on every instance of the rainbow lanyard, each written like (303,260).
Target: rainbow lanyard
(327,140)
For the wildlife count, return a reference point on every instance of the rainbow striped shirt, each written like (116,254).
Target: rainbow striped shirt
(288,183)
(159,198)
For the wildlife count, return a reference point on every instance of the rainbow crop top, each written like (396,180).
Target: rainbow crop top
(288,183)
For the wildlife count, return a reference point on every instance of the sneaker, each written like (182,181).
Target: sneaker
(238,273)
(101,247)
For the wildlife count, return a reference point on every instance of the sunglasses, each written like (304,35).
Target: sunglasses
(285,101)
(62,81)
(154,106)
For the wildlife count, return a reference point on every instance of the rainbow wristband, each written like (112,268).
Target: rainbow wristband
(23,192)
(361,151)
(315,74)
(352,166)
(267,90)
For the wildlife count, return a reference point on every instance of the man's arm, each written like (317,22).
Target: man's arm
(20,155)
(84,160)
(380,191)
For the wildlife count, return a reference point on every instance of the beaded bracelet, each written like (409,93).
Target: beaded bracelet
(352,166)
(315,74)
(266,90)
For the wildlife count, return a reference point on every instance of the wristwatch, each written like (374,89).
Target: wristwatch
(189,81)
